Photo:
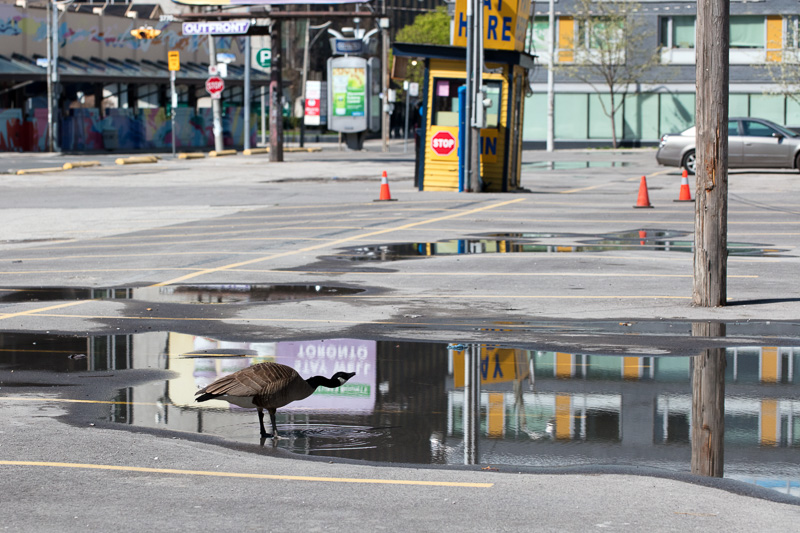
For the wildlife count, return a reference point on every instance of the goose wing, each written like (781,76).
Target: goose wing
(263,379)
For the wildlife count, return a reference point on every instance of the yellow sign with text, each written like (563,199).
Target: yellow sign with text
(498,365)
(505,24)
(174,60)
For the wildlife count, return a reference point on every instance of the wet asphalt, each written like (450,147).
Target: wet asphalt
(589,273)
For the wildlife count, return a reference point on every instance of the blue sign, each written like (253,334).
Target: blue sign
(347,46)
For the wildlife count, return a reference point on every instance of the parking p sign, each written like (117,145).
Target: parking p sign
(264,57)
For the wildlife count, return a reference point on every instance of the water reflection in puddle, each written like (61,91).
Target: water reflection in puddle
(640,239)
(407,402)
(199,294)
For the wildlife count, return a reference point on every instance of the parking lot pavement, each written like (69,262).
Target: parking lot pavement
(566,264)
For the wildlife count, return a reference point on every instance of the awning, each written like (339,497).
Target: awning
(458,52)
(77,69)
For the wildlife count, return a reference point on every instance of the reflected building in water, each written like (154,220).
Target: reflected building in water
(407,402)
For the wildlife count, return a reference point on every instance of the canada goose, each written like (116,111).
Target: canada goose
(267,386)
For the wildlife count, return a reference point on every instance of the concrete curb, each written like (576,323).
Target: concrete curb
(136,159)
(192,155)
(255,151)
(81,164)
(214,153)
(39,170)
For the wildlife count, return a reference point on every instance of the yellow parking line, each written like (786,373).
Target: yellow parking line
(117,468)
(67,400)
(338,242)
(43,309)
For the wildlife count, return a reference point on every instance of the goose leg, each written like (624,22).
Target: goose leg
(274,425)
(261,423)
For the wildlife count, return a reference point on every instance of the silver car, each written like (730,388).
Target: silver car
(752,143)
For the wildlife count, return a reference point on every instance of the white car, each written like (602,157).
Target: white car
(752,143)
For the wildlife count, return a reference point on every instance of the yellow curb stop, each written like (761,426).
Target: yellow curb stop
(136,159)
(192,155)
(220,153)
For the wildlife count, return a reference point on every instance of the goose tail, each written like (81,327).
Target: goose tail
(206,396)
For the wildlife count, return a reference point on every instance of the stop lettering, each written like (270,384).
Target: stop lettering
(443,143)
(215,85)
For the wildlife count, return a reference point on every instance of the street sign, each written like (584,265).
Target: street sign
(174,60)
(213,70)
(228,27)
(264,58)
(347,46)
(443,143)
(215,85)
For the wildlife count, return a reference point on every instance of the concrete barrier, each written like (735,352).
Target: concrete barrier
(255,151)
(214,153)
(81,164)
(39,170)
(136,159)
(191,155)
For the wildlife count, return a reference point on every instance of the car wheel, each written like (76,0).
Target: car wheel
(689,162)
(797,161)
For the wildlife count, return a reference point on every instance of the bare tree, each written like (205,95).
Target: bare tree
(613,51)
(783,64)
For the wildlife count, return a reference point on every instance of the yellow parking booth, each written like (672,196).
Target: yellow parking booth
(505,78)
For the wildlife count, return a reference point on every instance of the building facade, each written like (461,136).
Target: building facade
(763,34)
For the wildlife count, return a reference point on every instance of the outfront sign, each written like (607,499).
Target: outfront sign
(228,27)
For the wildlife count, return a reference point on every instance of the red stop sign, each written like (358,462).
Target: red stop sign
(214,85)
(443,143)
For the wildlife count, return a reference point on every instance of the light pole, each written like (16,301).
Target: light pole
(306,49)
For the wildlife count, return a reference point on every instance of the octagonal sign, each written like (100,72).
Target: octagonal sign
(215,85)
(443,143)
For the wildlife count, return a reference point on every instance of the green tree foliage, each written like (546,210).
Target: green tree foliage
(428,28)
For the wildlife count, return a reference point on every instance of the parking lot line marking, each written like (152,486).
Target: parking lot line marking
(278,477)
(68,400)
(457,214)
(42,309)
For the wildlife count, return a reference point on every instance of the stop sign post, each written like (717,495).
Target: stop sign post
(443,143)
(215,85)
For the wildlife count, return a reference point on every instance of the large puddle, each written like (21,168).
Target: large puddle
(180,294)
(407,401)
(640,239)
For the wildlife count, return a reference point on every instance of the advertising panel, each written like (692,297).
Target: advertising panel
(316,106)
(349,92)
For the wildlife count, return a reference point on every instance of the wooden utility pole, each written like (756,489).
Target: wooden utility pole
(708,404)
(275,94)
(711,197)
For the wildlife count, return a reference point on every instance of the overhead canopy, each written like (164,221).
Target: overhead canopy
(17,67)
(505,57)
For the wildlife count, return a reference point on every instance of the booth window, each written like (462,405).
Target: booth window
(445,102)
(493,89)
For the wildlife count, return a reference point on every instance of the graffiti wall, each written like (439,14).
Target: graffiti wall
(23,31)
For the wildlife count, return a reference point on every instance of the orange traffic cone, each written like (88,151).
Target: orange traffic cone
(685,194)
(644,198)
(643,236)
(386,196)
